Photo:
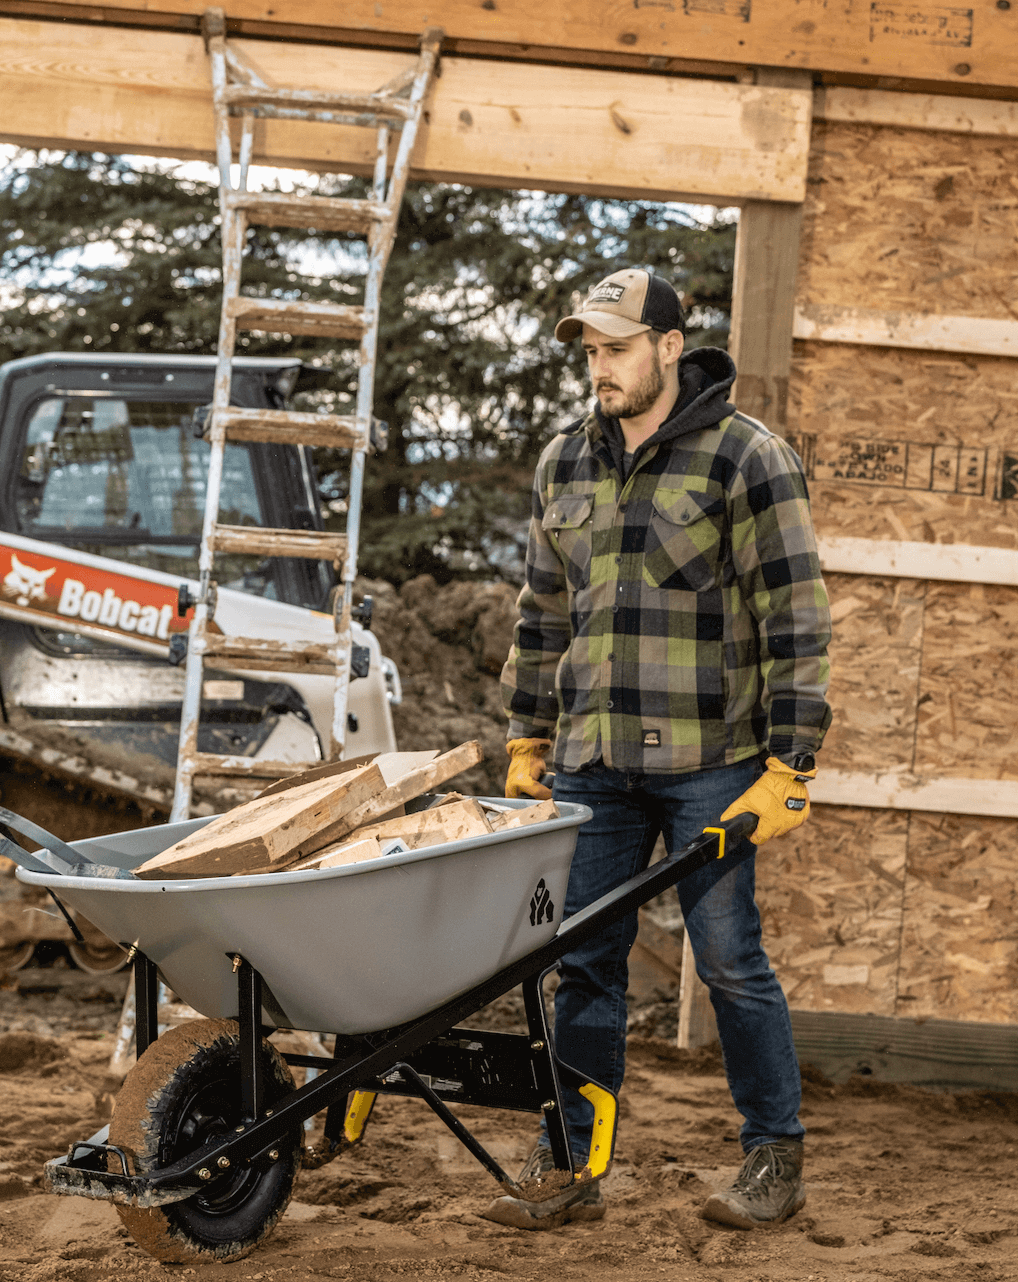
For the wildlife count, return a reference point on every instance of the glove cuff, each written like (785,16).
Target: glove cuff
(778,767)
(519,747)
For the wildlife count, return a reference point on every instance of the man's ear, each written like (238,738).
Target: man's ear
(669,349)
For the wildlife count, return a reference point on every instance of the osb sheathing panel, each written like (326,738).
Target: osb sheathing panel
(911,219)
(922,673)
(830,897)
(959,939)
(875,662)
(968,709)
(841,393)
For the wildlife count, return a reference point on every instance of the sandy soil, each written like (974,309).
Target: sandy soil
(903,1185)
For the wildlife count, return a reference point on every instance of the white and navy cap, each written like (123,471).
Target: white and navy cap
(625,303)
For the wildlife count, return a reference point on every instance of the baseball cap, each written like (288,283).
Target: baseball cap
(627,302)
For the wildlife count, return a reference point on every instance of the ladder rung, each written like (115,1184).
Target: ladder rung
(285,427)
(322,213)
(258,655)
(319,320)
(318,100)
(208,763)
(256,540)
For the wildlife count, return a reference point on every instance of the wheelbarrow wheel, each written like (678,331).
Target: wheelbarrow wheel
(184,1091)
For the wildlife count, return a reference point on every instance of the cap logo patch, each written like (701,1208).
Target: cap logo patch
(606,293)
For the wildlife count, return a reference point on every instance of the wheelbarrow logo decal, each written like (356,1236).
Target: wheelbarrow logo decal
(541,907)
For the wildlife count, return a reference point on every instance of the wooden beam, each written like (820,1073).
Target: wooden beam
(896,558)
(956,46)
(763,294)
(972,335)
(986,116)
(554,129)
(989,798)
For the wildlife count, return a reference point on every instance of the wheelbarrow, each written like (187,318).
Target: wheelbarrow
(390,955)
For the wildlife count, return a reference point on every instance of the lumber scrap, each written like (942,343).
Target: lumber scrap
(424,778)
(267,832)
(432,827)
(508,819)
(350,852)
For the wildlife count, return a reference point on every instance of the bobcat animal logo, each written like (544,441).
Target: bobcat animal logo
(541,907)
(25,584)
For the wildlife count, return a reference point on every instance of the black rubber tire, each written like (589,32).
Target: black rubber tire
(183,1091)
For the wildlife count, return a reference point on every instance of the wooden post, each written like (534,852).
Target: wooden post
(763,297)
(697,1025)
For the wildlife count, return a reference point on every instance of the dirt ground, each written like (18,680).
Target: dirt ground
(903,1184)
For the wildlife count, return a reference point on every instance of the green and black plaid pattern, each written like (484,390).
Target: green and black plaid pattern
(678,621)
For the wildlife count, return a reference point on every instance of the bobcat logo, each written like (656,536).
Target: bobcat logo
(25,584)
(541,907)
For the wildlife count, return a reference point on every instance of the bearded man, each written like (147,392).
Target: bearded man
(672,641)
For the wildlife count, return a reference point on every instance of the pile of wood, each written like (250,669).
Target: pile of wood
(341,814)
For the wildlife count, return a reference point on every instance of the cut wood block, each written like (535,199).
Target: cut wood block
(421,779)
(454,822)
(268,832)
(519,818)
(351,852)
(393,766)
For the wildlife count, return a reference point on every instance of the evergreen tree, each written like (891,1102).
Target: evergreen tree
(103,254)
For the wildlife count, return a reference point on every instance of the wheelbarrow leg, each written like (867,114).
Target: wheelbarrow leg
(249,1002)
(146,997)
(546,1072)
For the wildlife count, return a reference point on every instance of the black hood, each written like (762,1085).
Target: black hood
(706,375)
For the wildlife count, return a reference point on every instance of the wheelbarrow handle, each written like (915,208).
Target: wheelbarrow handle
(734,829)
(64,859)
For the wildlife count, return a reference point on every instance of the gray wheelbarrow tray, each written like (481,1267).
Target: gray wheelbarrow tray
(345,950)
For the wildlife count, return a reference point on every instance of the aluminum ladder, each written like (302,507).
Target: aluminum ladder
(238,89)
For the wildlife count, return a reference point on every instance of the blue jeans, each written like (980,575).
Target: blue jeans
(723,924)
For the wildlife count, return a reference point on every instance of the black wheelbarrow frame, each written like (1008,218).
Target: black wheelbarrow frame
(432,1058)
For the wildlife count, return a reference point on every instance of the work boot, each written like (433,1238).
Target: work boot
(580,1200)
(767,1190)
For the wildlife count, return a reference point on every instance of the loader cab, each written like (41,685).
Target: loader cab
(101,453)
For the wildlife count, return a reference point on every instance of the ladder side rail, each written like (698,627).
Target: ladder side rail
(362,418)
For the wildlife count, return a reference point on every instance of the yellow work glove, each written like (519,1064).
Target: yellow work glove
(778,797)
(526,768)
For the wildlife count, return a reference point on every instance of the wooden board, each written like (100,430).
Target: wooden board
(891,790)
(955,45)
(835,324)
(454,822)
(917,111)
(267,832)
(955,562)
(552,128)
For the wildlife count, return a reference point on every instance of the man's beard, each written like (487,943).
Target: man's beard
(641,398)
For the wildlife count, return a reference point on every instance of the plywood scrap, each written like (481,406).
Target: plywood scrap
(268,832)
(393,766)
(507,819)
(351,852)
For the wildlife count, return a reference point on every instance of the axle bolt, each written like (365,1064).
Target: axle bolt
(548,1105)
(204,1173)
(537,1046)
(223,1162)
(273,1154)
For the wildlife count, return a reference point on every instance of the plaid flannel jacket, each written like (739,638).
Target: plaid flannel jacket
(675,622)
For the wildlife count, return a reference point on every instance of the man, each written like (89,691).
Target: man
(672,641)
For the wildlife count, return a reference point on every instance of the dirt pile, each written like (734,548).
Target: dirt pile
(449,644)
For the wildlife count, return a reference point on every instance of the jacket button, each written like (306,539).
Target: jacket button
(611,658)
(609,705)
(685,516)
(618,560)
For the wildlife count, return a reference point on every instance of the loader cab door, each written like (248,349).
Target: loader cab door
(107,460)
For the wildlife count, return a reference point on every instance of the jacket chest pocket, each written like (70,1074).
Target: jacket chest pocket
(683,548)
(567,520)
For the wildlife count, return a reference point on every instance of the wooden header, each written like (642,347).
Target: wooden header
(955,45)
(520,125)
(972,335)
